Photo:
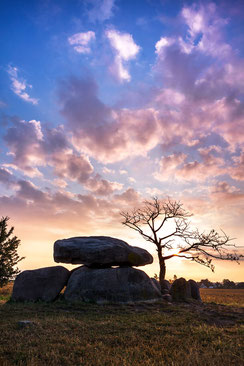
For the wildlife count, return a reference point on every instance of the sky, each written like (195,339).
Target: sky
(106,103)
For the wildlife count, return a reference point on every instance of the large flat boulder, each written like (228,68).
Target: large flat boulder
(116,285)
(100,252)
(40,284)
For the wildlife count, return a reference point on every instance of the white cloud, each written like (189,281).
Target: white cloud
(81,41)
(122,171)
(125,50)
(162,43)
(203,33)
(108,171)
(19,86)
(37,128)
(101,10)
(204,30)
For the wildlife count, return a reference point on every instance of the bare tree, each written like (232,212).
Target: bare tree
(151,221)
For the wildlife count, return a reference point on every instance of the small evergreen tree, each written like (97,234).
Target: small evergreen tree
(8,252)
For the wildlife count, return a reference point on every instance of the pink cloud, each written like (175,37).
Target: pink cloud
(104,133)
(168,166)
(28,191)
(130,197)
(102,187)
(6,177)
(225,195)
(175,166)
(24,140)
(206,96)
(237,170)
(72,167)
(32,147)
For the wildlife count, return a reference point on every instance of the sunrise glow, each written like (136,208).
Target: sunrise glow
(104,104)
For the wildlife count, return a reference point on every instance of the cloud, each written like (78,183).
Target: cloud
(204,30)
(125,50)
(28,191)
(6,177)
(101,10)
(73,167)
(237,170)
(25,141)
(202,83)
(102,187)
(228,114)
(123,171)
(105,133)
(19,86)
(130,196)
(81,41)
(168,165)
(175,166)
(108,171)
(33,147)
(162,44)
(204,33)
(224,195)
(61,183)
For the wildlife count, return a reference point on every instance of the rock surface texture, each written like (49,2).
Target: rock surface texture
(180,290)
(165,284)
(118,285)
(100,252)
(195,292)
(40,284)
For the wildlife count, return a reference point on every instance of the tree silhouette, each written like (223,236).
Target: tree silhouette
(152,222)
(8,252)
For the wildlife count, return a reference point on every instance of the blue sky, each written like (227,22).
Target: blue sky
(104,103)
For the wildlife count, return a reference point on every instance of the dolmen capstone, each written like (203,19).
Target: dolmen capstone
(100,251)
(96,281)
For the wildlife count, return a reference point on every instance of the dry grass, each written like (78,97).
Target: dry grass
(221,296)
(89,334)
(5,292)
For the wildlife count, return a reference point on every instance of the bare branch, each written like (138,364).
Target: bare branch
(193,245)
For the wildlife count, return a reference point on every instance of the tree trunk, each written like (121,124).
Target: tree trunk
(162,267)
(162,271)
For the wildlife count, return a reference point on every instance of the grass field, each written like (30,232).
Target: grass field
(146,334)
(221,296)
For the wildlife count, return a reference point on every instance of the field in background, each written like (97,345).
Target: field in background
(124,335)
(222,296)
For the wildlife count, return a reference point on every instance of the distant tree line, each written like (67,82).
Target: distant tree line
(225,284)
